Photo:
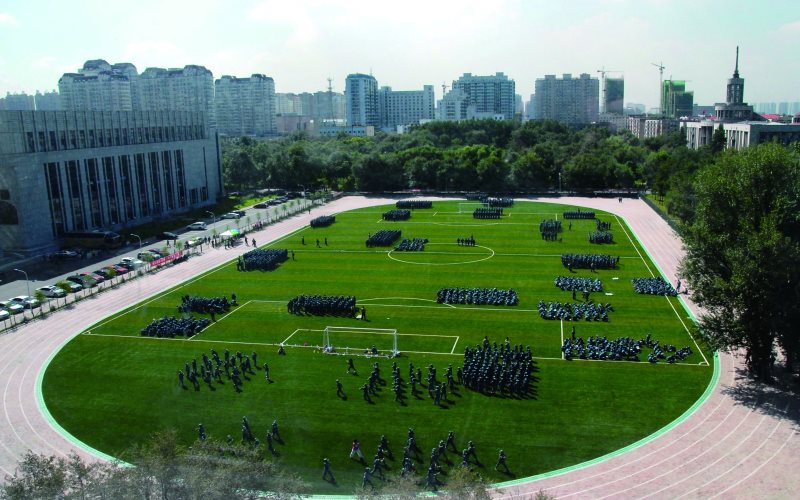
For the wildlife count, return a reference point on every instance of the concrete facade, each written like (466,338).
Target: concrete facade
(245,106)
(405,107)
(740,135)
(66,171)
(569,100)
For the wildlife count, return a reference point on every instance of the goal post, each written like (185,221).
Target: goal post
(352,341)
(469,206)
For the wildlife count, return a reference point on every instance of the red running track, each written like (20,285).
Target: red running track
(739,443)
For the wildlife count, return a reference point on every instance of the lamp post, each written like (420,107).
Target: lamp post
(559,183)
(139,238)
(27,281)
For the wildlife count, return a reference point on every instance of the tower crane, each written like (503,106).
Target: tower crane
(661,68)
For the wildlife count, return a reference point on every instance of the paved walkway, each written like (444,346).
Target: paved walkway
(738,444)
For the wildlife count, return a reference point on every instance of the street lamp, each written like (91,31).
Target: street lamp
(140,240)
(559,182)
(27,281)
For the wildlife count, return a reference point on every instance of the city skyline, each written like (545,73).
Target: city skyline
(406,46)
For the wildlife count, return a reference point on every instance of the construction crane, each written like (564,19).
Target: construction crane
(603,71)
(661,68)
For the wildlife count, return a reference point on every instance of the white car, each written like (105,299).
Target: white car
(231,215)
(131,263)
(26,301)
(4,315)
(196,226)
(52,291)
(11,307)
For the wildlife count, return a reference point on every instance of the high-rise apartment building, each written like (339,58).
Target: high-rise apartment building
(245,106)
(405,107)
(454,106)
(613,95)
(361,94)
(17,102)
(677,101)
(490,96)
(47,101)
(568,100)
(100,86)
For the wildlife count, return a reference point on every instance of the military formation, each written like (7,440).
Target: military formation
(578,214)
(210,369)
(204,305)
(477,296)
(653,286)
(323,305)
(322,221)
(576,311)
(414,204)
(395,215)
(498,370)
(466,242)
(383,238)
(588,261)
(576,284)
(262,259)
(487,213)
(412,245)
(621,349)
(601,237)
(171,327)
(549,229)
(498,202)
(603,226)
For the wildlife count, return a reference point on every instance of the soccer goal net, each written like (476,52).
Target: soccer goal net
(469,207)
(351,341)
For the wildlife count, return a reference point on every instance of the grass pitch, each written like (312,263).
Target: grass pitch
(111,388)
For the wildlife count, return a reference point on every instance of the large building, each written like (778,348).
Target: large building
(319,106)
(245,106)
(64,171)
(454,106)
(742,127)
(17,102)
(47,101)
(569,100)
(613,95)
(492,96)
(405,107)
(361,94)
(100,86)
(677,101)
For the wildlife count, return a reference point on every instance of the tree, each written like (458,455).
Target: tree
(66,288)
(42,298)
(718,140)
(742,248)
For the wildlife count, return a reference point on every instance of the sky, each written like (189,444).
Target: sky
(410,43)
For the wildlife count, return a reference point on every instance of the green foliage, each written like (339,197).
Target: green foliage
(743,247)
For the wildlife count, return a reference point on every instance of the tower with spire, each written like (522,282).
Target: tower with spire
(734,109)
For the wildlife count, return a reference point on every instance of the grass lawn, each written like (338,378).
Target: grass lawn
(111,388)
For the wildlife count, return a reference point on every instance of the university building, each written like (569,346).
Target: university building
(64,171)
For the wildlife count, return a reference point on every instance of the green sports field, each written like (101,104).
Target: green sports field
(111,388)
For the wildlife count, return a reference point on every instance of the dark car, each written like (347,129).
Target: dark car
(261,205)
(167,235)
(104,273)
(85,282)
(157,253)
(118,268)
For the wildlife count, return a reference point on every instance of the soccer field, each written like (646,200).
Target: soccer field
(111,387)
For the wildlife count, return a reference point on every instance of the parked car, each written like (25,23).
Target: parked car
(85,280)
(147,256)
(26,301)
(193,242)
(96,277)
(230,215)
(131,263)
(74,287)
(11,307)
(118,268)
(157,252)
(196,226)
(65,254)
(52,291)
(240,212)
(4,315)
(103,273)
(167,235)
(261,205)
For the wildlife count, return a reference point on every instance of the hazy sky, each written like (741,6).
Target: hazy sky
(407,44)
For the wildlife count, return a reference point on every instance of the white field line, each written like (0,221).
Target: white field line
(453,350)
(241,306)
(290,336)
(562,338)
(665,297)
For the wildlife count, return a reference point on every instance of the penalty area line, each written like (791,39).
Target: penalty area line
(220,319)
(453,350)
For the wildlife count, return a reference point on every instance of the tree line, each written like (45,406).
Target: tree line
(485,155)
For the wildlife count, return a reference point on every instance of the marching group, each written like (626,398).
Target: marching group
(204,305)
(262,259)
(171,327)
(412,245)
(601,237)
(589,311)
(394,215)
(588,261)
(578,214)
(414,204)
(487,213)
(498,370)
(211,368)
(576,284)
(477,296)
(621,349)
(383,238)
(323,305)
(653,286)
(323,221)
(549,229)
